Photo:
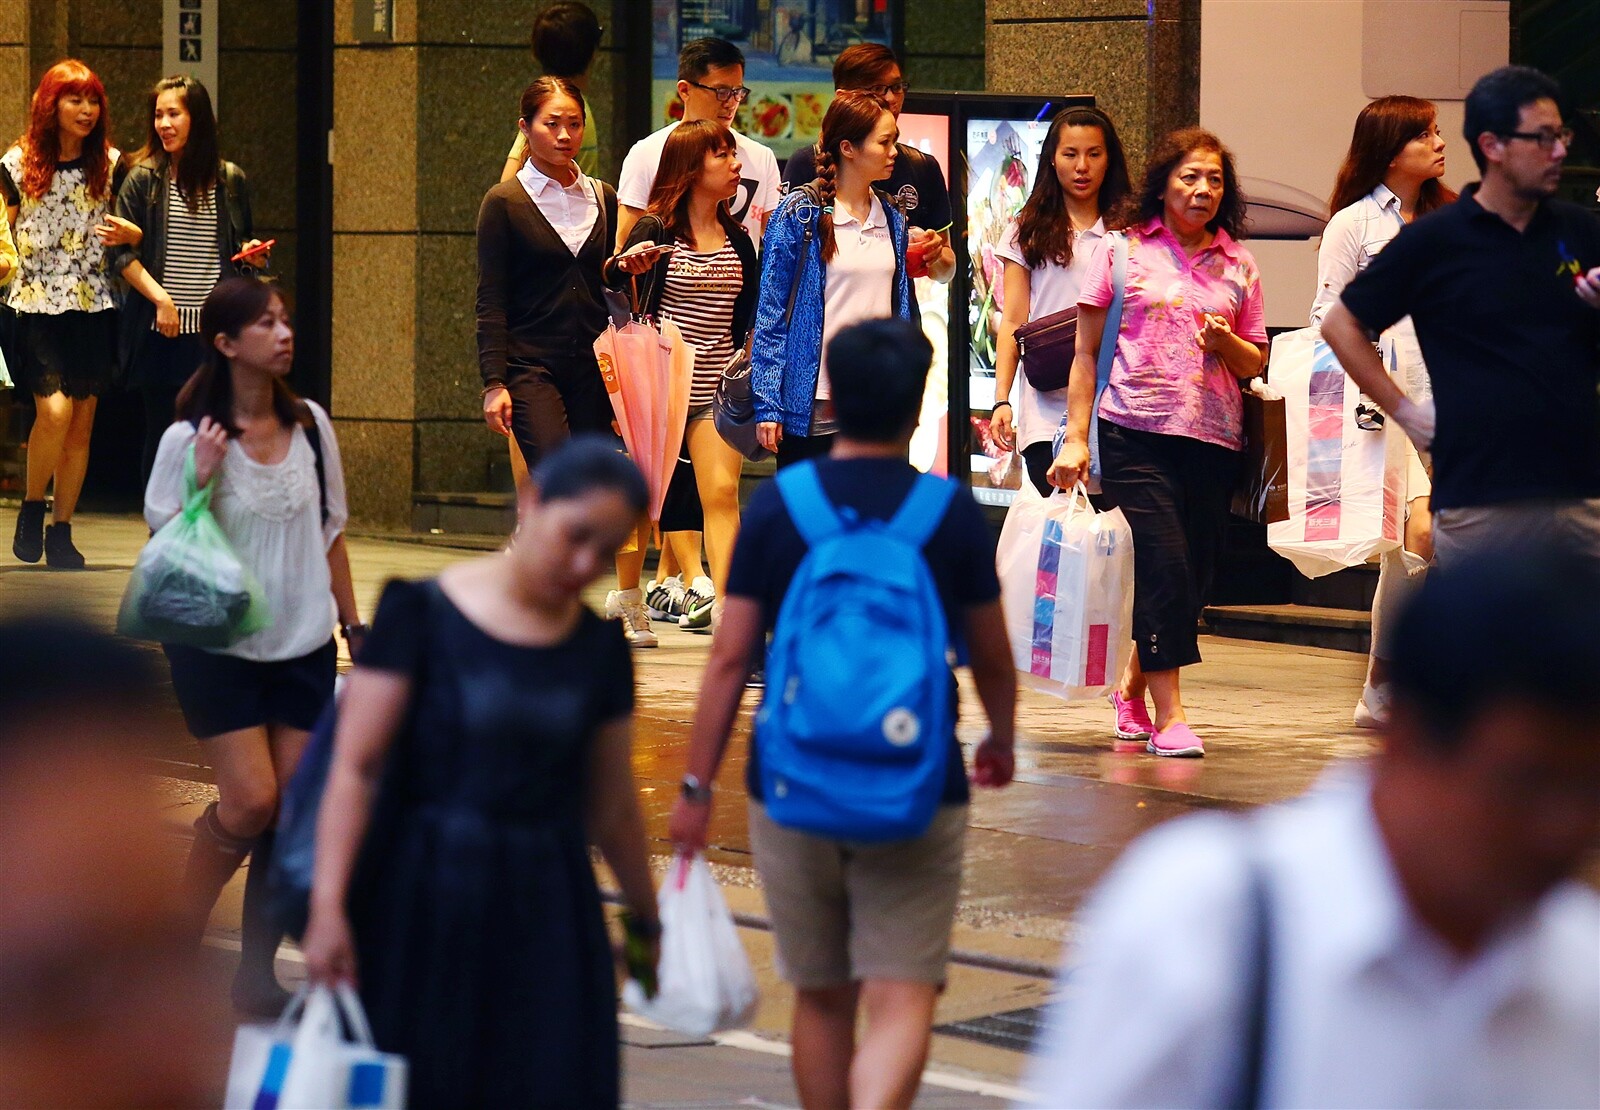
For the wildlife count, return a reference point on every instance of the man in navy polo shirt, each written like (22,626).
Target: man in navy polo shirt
(1504,289)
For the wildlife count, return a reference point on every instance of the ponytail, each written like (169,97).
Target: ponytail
(826,184)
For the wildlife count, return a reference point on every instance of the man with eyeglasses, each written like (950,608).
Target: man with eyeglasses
(917,183)
(711,86)
(1504,289)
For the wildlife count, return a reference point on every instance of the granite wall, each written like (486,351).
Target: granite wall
(421,130)
(1140,58)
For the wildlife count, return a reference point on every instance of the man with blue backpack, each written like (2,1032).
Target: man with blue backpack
(871,579)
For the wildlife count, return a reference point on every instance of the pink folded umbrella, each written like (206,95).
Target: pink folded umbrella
(647,371)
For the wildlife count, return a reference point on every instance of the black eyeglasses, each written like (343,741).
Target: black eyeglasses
(884,92)
(1546,139)
(739,94)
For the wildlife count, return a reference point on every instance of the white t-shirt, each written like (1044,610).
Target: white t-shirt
(758,184)
(1051,288)
(272,515)
(860,279)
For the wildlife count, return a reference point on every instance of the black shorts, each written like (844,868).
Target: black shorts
(223,693)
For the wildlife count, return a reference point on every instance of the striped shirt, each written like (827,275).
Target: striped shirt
(698,297)
(193,266)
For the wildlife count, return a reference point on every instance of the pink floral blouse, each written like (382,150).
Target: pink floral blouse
(1161,381)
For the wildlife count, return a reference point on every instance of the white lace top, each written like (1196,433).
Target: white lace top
(273,516)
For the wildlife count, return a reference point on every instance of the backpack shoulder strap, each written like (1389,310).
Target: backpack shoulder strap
(314,437)
(922,510)
(814,515)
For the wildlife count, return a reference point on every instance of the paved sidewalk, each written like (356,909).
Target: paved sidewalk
(1272,715)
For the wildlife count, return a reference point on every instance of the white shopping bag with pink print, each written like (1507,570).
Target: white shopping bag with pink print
(1347,479)
(1066,585)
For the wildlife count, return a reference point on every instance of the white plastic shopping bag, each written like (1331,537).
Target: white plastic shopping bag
(1066,585)
(304,1060)
(704,981)
(1347,484)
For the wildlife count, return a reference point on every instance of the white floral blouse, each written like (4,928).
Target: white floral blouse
(61,266)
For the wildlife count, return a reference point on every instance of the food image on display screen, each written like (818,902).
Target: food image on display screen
(1002,156)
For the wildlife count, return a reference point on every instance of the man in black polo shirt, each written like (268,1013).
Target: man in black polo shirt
(917,182)
(1504,289)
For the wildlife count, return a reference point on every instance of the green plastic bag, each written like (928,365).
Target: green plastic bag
(188,587)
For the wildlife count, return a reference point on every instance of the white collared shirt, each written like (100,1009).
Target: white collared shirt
(571,209)
(860,281)
(1051,288)
(1353,237)
(1368,1008)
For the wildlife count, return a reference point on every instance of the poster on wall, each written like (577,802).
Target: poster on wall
(789,48)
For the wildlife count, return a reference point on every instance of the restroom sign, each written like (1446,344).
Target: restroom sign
(189,42)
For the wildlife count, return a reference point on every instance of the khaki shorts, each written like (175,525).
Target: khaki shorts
(844,912)
(1459,532)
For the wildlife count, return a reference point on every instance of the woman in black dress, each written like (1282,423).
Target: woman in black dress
(497,711)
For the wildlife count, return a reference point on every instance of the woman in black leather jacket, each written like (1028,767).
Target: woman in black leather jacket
(194,209)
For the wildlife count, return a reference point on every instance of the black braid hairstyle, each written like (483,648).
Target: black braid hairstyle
(850,118)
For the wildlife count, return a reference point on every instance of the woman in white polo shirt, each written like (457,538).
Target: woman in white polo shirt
(1083,176)
(834,254)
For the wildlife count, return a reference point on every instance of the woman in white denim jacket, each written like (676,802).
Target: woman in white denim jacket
(1390,176)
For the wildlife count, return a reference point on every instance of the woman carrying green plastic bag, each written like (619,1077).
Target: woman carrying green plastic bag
(247,500)
(188,586)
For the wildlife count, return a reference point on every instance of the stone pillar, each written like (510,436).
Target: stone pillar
(421,131)
(1140,59)
(944,45)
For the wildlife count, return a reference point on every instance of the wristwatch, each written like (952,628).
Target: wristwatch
(354,629)
(695,791)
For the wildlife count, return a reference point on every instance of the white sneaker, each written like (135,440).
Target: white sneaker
(628,607)
(664,599)
(1372,711)
(697,605)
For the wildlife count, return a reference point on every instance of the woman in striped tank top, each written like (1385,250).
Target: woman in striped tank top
(194,209)
(696,265)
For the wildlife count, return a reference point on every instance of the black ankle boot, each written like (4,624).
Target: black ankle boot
(28,545)
(255,984)
(59,554)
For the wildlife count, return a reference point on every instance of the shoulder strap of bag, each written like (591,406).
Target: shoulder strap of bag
(1256,1025)
(922,510)
(314,437)
(814,516)
(815,200)
(1119,286)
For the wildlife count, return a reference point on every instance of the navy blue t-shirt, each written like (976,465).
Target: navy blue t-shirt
(960,556)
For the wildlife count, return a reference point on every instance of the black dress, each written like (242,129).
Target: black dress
(481,949)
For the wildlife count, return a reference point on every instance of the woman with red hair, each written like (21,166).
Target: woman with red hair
(57,182)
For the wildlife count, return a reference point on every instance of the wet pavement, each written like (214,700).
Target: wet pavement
(1273,716)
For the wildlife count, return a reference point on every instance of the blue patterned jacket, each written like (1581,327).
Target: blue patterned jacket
(785,356)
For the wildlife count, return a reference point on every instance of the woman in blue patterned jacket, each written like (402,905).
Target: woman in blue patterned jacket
(834,254)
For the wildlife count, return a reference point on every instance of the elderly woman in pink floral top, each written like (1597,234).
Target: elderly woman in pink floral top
(1171,426)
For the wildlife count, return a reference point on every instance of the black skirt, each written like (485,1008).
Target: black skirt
(71,353)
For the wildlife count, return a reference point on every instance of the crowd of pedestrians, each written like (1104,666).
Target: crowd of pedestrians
(484,740)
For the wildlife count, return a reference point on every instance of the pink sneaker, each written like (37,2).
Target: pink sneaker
(1177,739)
(1133,720)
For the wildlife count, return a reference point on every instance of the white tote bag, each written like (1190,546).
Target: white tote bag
(304,1061)
(1066,585)
(705,983)
(1347,485)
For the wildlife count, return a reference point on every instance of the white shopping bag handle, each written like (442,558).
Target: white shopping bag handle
(354,1014)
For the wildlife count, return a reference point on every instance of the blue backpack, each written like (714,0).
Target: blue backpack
(854,730)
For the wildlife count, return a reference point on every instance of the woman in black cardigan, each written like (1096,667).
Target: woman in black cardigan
(543,237)
(695,264)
